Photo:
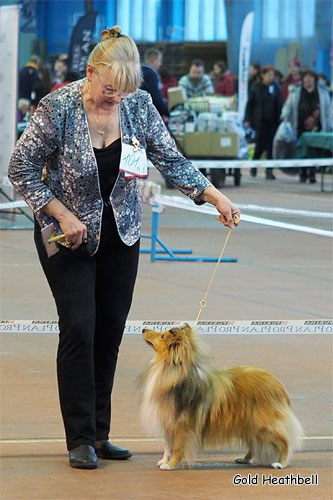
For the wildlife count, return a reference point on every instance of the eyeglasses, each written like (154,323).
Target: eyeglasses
(108,90)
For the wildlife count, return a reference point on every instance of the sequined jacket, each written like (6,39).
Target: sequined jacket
(57,138)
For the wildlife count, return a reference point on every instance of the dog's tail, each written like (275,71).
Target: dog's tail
(288,429)
(294,432)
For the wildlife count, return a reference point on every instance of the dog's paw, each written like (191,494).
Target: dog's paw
(160,462)
(277,465)
(165,466)
(242,460)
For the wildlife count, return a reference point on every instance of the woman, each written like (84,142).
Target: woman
(262,114)
(83,133)
(308,108)
(292,78)
(223,80)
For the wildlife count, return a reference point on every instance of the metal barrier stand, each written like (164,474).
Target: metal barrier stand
(155,254)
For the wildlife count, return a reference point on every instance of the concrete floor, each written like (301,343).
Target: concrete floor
(280,274)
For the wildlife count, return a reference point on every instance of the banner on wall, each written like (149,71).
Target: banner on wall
(9,28)
(81,43)
(244,63)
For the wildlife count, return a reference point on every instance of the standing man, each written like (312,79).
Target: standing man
(151,79)
(196,83)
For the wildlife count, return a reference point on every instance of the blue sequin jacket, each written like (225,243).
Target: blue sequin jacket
(57,138)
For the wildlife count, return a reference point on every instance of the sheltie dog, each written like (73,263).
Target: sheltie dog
(195,405)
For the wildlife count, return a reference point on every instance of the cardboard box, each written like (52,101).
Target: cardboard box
(211,144)
(175,96)
(197,144)
(224,144)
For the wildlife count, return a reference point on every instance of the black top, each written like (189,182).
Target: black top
(108,160)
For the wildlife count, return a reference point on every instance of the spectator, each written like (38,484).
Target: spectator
(278,78)
(167,80)
(254,75)
(323,78)
(42,86)
(222,78)
(293,77)
(262,114)
(151,83)
(61,68)
(196,83)
(23,106)
(69,77)
(151,80)
(308,108)
(28,76)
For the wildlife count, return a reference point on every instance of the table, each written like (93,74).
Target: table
(318,140)
(315,145)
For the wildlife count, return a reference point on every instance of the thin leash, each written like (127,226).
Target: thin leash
(203,302)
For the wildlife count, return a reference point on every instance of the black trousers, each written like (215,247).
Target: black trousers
(93,297)
(264,141)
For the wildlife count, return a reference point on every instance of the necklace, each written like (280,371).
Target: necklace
(100,130)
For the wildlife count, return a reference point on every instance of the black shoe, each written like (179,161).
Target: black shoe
(312,180)
(270,176)
(302,179)
(107,450)
(83,457)
(253,172)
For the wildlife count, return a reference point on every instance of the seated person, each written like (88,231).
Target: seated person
(196,83)
(223,80)
(151,80)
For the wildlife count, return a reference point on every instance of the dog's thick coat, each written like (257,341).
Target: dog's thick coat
(195,405)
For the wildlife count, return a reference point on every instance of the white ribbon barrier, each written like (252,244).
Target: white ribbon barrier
(186,204)
(213,327)
(304,162)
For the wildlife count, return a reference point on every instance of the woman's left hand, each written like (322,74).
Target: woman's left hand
(229,213)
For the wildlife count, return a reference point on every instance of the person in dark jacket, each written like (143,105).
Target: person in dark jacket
(151,80)
(153,85)
(254,75)
(28,78)
(263,114)
(42,86)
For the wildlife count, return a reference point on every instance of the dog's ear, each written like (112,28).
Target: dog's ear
(187,329)
(174,337)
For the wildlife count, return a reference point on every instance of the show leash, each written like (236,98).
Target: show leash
(203,302)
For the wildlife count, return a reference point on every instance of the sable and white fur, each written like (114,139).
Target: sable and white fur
(195,405)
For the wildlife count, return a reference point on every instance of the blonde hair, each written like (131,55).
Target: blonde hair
(119,56)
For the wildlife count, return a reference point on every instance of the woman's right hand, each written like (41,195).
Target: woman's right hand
(74,229)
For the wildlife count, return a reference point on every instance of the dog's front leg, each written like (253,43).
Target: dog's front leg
(168,444)
(177,450)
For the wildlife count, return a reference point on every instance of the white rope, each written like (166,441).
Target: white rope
(304,162)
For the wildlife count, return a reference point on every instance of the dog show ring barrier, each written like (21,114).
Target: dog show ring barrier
(276,163)
(160,202)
